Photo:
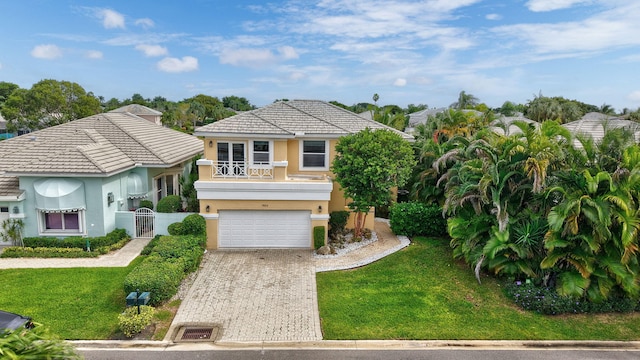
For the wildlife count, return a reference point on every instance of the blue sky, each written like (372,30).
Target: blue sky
(420,52)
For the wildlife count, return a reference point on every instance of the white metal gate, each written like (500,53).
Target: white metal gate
(145,220)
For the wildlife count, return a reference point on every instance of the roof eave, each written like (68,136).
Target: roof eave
(243,135)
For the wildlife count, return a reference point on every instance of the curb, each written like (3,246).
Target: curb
(362,345)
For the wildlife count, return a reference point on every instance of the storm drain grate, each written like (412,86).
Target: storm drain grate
(191,333)
(197,334)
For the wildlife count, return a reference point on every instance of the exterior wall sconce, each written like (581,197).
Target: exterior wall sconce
(110,199)
(207,208)
(210,143)
(16,210)
(319,208)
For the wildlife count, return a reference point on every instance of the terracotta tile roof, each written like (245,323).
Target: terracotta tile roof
(136,109)
(311,117)
(98,145)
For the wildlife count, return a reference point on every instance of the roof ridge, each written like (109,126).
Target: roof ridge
(368,120)
(131,136)
(83,150)
(253,113)
(315,117)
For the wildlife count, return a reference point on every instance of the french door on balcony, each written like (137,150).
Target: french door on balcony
(231,159)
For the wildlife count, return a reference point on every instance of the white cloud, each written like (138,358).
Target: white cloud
(400,82)
(47,51)
(288,52)
(634,96)
(247,57)
(614,28)
(550,5)
(493,17)
(111,19)
(93,54)
(145,23)
(175,65)
(152,50)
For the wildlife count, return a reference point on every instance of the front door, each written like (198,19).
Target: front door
(231,158)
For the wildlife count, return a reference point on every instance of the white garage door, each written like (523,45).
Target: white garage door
(264,229)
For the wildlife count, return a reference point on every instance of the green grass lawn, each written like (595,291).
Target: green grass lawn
(76,303)
(421,293)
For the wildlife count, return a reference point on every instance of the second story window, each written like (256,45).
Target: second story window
(261,152)
(314,155)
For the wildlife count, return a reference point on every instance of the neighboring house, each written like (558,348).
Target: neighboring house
(265,178)
(422,116)
(506,123)
(71,179)
(594,124)
(142,111)
(3,129)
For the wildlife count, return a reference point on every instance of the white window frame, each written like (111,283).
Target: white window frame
(163,192)
(326,156)
(252,154)
(42,226)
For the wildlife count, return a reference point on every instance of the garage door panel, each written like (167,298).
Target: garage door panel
(264,229)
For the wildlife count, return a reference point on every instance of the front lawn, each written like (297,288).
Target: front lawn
(75,303)
(421,293)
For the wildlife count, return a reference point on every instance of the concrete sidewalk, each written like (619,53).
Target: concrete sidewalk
(119,258)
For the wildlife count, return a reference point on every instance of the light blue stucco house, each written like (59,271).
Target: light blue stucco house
(78,178)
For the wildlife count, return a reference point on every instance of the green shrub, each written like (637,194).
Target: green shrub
(150,245)
(184,248)
(46,252)
(547,301)
(414,218)
(156,275)
(37,343)
(175,229)
(131,323)
(338,222)
(194,224)
(146,204)
(318,237)
(79,242)
(169,204)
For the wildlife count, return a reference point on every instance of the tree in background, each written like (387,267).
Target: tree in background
(48,103)
(367,166)
(237,103)
(6,88)
(465,101)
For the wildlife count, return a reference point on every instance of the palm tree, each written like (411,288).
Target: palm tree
(465,101)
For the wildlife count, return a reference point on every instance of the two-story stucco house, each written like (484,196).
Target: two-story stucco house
(73,179)
(265,179)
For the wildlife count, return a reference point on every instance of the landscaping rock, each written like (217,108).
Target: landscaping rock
(324,250)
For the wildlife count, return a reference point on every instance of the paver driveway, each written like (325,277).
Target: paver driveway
(255,295)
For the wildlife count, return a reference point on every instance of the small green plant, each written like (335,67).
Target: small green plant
(132,323)
(414,218)
(37,343)
(175,228)
(169,204)
(146,204)
(337,222)
(12,231)
(194,224)
(318,237)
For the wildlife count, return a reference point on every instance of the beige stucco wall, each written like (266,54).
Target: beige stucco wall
(316,207)
(283,150)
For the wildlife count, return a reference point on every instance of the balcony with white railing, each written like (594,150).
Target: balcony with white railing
(241,170)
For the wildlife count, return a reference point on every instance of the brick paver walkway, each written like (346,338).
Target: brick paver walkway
(254,295)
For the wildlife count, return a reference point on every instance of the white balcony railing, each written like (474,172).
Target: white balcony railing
(242,169)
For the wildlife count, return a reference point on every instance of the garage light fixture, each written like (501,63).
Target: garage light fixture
(207,208)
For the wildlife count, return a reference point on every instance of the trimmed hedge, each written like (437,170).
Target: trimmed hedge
(60,252)
(69,247)
(171,259)
(158,276)
(337,222)
(547,301)
(169,204)
(414,218)
(131,323)
(193,224)
(146,204)
(76,241)
(318,237)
